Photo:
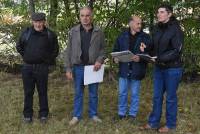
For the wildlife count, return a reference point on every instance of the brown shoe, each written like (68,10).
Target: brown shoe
(164,129)
(147,127)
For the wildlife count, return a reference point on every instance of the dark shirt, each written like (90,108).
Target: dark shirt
(132,42)
(85,44)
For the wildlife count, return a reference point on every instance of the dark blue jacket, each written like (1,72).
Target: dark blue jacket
(132,70)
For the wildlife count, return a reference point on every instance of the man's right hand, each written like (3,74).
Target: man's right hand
(69,75)
(116,60)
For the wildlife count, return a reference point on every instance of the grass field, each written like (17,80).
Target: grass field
(61,106)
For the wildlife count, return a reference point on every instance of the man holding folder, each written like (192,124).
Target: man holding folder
(133,71)
(85,47)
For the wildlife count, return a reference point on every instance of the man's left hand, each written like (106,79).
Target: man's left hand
(97,66)
(135,58)
(142,47)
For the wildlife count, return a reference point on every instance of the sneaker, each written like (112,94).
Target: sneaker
(96,119)
(43,119)
(27,120)
(74,121)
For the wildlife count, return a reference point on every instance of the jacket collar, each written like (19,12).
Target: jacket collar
(172,21)
(95,28)
(127,32)
(44,31)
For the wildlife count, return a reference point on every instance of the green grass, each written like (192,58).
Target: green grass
(61,107)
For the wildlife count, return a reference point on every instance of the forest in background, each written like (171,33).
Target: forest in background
(111,15)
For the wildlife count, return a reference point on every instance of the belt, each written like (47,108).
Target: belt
(35,65)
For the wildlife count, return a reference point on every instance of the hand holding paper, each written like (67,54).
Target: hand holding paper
(123,56)
(97,66)
(116,60)
(136,58)
(92,76)
(147,57)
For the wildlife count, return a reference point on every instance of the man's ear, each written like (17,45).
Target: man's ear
(130,23)
(46,24)
(170,14)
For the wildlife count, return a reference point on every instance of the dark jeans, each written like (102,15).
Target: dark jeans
(35,74)
(165,81)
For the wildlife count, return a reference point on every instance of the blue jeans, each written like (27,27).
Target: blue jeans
(78,73)
(165,80)
(124,85)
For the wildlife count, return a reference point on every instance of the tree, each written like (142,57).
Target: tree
(111,16)
(53,13)
(31,6)
(91,3)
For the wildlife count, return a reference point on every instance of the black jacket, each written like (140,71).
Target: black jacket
(38,47)
(167,44)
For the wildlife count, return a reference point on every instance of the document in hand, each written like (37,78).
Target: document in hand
(123,56)
(91,76)
(147,57)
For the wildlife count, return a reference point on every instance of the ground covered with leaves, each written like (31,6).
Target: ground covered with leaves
(61,106)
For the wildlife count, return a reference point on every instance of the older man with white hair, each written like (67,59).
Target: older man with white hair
(85,47)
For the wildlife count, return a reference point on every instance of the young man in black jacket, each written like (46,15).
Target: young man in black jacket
(167,45)
(38,47)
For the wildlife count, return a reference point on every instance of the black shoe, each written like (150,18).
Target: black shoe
(119,117)
(43,119)
(27,120)
(131,118)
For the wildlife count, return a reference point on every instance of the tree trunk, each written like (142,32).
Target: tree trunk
(151,16)
(31,7)
(66,3)
(76,8)
(53,13)
(91,3)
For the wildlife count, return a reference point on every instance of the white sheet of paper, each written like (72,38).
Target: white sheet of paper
(91,76)
(123,56)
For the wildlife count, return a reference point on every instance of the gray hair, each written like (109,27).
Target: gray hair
(88,8)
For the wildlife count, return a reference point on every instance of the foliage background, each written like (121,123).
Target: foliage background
(111,15)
